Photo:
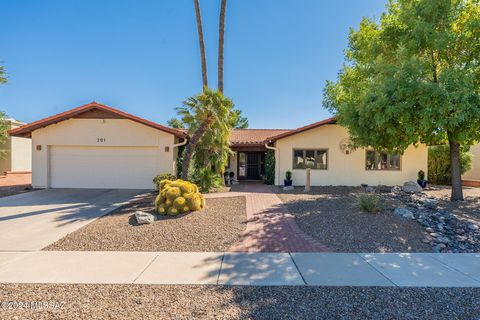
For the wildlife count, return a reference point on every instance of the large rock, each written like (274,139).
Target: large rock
(411,187)
(144,217)
(404,213)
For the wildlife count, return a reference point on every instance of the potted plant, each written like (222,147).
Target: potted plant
(421,179)
(288,179)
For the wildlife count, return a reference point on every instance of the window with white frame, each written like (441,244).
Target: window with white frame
(310,158)
(381,160)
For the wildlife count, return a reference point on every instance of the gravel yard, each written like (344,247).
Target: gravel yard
(331,215)
(214,229)
(209,302)
(469,209)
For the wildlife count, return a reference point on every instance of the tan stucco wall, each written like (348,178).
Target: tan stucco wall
(86,132)
(17,153)
(21,154)
(474,173)
(343,169)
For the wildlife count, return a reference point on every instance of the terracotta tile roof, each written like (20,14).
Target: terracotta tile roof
(253,137)
(288,133)
(26,130)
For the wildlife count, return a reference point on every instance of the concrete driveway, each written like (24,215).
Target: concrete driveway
(33,220)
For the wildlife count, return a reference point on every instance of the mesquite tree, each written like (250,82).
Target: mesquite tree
(413,77)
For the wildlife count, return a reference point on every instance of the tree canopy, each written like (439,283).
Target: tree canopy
(412,77)
(208,117)
(3,77)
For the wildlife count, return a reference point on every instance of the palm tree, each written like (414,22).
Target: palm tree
(208,110)
(3,77)
(221,40)
(203,57)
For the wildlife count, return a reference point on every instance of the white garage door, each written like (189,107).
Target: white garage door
(103,167)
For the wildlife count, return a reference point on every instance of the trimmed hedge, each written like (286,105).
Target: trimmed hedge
(439,164)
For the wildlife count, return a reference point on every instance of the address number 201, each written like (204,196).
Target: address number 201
(101,139)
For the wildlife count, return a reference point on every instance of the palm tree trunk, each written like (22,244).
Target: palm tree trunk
(203,57)
(221,40)
(190,147)
(457,192)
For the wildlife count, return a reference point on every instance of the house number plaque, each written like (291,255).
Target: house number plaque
(101,139)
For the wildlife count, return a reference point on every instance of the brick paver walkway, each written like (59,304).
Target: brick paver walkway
(270,227)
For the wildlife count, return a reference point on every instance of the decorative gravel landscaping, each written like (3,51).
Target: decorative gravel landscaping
(332,216)
(207,302)
(451,226)
(215,228)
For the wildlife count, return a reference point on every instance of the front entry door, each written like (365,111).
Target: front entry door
(250,165)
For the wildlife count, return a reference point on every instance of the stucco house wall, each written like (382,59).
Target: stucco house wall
(232,165)
(100,133)
(474,172)
(343,169)
(16,153)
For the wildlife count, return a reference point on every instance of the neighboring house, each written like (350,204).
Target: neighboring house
(473,175)
(95,146)
(16,152)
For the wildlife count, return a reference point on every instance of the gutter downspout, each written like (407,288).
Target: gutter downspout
(184,142)
(277,159)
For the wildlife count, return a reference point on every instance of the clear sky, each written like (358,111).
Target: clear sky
(142,56)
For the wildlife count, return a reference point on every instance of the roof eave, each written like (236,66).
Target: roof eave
(26,130)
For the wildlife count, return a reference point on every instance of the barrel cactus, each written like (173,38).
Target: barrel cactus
(178,196)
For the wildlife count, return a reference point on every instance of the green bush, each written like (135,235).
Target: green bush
(368,202)
(270,167)
(177,197)
(206,179)
(163,176)
(439,164)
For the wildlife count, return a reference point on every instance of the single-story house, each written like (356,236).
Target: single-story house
(15,152)
(96,146)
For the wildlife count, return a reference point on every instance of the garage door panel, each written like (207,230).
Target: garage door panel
(103,167)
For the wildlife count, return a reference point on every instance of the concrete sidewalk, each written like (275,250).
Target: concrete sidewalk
(237,268)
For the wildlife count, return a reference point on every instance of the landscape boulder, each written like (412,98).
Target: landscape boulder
(144,217)
(411,187)
(404,213)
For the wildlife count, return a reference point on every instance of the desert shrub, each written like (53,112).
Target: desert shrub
(439,164)
(206,179)
(162,176)
(178,196)
(270,167)
(368,202)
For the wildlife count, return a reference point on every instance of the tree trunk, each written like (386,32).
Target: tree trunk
(457,192)
(203,57)
(221,34)
(190,147)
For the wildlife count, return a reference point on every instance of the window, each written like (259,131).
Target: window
(313,159)
(381,160)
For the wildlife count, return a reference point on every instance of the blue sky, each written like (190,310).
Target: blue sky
(142,56)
